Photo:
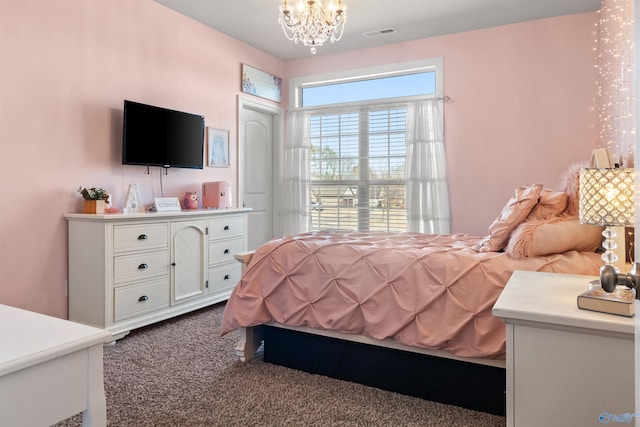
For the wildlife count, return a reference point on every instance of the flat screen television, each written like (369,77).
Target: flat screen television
(155,136)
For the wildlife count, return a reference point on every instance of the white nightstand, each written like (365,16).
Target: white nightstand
(50,369)
(565,366)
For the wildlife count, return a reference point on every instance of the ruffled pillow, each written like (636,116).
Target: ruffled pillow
(555,236)
(571,186)
(551,204)
(513,213)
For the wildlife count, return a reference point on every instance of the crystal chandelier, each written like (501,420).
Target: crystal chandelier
(311,23)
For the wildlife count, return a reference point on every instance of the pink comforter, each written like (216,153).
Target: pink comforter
(430,291)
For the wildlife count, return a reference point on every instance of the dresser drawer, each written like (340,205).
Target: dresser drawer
(226,226)
(139,267)
(140,237)
(132,300)
(222,252)
(225,277)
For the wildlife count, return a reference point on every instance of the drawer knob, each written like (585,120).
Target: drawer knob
(226,228)
(143,298)
(227,277)
(226,251)
(143,266)
(143,237)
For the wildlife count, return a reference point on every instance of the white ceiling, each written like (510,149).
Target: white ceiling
(255,22)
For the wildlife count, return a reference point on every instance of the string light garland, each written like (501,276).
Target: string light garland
(614,65)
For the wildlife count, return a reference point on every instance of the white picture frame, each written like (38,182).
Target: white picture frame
(217,148)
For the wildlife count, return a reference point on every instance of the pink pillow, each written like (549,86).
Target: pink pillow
(571,186)
(514,212)
(555,236)
(551,204)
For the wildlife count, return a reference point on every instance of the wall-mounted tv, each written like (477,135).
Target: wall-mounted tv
(156,136)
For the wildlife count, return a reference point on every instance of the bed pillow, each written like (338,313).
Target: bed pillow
(551,204)
(555,236)
(571,186)
(513,213)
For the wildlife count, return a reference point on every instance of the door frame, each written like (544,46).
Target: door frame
(277,112)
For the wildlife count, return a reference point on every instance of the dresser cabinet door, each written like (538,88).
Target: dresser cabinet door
(188,260)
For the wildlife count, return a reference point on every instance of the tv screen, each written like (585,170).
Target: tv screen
(155,136)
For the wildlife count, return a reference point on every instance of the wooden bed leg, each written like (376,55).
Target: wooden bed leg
(250,339)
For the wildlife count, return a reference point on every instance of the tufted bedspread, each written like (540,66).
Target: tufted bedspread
(430,291)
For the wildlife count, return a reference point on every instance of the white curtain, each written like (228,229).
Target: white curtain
(427,190)
(294,212)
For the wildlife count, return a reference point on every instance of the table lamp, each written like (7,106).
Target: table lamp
(607,199)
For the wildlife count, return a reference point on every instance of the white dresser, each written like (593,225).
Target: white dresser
(131,270)
(565,366)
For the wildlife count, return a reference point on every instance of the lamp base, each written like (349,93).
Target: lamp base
(610,278)
(609,244)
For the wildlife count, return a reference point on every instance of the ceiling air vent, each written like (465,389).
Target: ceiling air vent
(382,32)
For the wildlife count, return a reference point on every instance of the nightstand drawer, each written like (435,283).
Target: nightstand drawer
(227,226)
(140,267)
(139,237)
(220,253)
(132,300)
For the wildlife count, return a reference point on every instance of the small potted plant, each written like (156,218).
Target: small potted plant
(94,199)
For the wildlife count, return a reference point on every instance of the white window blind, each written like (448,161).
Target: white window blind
(358,144)
(358,169)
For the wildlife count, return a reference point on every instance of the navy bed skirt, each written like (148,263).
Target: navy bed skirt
(469,385)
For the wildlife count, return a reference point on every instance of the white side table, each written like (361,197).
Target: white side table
(565,366)
(50,369)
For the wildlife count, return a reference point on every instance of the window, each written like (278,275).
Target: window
(422,83)
(358,144)
(358,169)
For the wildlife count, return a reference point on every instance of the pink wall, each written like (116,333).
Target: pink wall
(66,68)
(522,111)
(523,106)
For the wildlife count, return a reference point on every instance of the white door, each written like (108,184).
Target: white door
(255,174)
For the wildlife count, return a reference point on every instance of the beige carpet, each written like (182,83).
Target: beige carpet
(182,373)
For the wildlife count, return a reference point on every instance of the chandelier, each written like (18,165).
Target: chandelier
(311,23)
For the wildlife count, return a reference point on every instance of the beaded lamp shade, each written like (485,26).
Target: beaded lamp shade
(606,196)
(607,199)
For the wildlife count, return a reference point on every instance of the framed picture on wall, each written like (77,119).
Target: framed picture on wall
(258,83)
(217,148)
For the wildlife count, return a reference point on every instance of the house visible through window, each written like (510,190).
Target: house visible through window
(358,149)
